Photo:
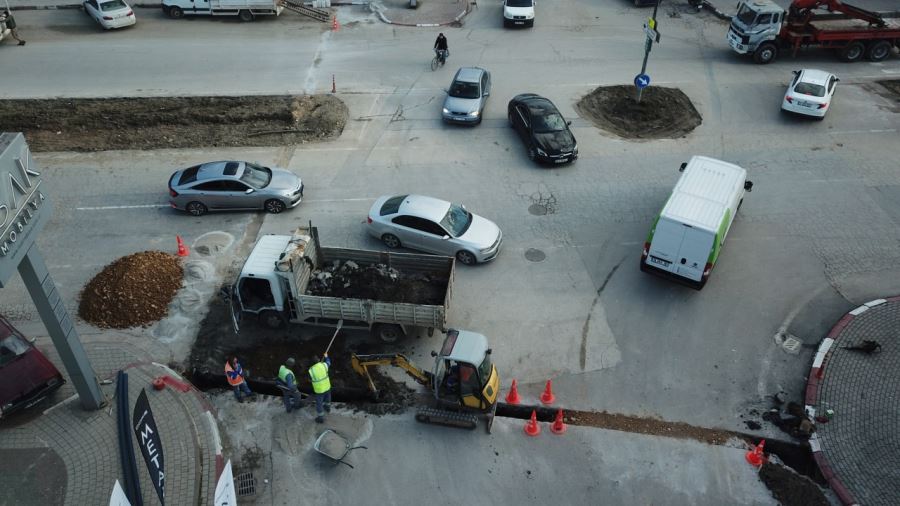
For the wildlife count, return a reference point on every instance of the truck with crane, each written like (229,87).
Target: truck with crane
(763,29)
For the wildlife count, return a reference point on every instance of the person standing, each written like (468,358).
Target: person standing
(287,382)
(7,19)
(318,375)
(236,377)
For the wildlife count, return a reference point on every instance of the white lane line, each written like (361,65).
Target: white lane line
(340,200)
(106,208)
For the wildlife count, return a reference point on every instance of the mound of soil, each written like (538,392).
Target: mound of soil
(99,124)
(349,280)
(789,488)
(662,113)
(132,291)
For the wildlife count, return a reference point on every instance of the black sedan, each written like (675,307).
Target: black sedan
(545,133)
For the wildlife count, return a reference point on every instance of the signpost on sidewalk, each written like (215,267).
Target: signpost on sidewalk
(652,36)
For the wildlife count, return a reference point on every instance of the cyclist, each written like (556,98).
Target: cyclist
(440,47)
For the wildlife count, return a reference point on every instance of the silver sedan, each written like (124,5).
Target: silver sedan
(467,96)
(434,225)
(217,186)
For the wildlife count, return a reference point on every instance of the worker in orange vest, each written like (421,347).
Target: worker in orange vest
(234,373)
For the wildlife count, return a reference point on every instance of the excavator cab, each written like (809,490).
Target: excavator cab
(463,373)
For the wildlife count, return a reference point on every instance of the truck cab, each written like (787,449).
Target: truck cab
(755,27)
(261,289)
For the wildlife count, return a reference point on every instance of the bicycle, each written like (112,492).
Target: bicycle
(440,58)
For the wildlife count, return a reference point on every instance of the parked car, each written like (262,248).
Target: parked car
(232,185)
(467,96)
(543,129)
(434,225)
(518,13)
(26,376)
(810,93)
(110,13)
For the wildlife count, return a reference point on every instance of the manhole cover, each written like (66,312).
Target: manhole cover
(535,255)
(245,484)
(537,209)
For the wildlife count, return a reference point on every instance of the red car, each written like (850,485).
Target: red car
(26,376)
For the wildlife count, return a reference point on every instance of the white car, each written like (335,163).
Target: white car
(434,225)
(110,13)
(518,12)
(810,93)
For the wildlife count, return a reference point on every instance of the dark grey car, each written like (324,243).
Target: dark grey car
(467,96)
(218,186)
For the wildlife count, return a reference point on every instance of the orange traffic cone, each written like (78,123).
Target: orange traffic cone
(547,397)
(513,396)
(531,426)
(182,249)
(558,427)
(756,457)
(334,24)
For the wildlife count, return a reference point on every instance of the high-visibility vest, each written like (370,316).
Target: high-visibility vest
(318,374)
(283,374)
(232,381)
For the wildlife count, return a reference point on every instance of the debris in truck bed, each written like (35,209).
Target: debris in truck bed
(350,280)
(132,291)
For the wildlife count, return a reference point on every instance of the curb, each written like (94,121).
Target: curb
(457,19)
(816,377)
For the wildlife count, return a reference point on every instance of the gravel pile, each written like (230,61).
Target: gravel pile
(132,291)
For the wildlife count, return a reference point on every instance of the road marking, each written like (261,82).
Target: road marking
(106,208)
(340,200)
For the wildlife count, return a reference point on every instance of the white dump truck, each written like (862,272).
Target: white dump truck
(689,232)
(292,278)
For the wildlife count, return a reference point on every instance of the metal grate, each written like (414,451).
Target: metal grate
(245,484)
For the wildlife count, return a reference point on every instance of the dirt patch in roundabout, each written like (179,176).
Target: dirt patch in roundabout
(99,124)
(662,113)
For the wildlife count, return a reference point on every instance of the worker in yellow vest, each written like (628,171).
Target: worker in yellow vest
(236,377)
(287,382)
(318,375)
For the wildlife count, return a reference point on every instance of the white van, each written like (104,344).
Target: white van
(518,13)
(689,232)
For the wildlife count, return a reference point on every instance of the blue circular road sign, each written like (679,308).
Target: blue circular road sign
(642,81)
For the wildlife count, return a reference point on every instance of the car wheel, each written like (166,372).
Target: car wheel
(879,50)
(532,154)
(271,319)
(245,15)
(196,208)
(852,51)
(391,241)
(388,333)
(466,257)
(176,12)
(509,116)
(274,206)
(765,53)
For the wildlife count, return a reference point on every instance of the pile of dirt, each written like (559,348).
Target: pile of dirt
(99,124)
(132,291)
(662,113)
(379,282)
(789,488)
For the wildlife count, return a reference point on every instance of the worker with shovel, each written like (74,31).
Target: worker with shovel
(287,382)
(318,376)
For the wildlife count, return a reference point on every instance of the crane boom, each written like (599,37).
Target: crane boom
(804,8)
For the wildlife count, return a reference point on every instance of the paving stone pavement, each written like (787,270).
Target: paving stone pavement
(83,445)
(858,450)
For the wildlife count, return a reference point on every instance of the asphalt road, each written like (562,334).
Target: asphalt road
(818,235)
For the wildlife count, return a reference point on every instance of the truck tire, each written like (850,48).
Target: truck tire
(175,12)
(271,319)
(765,53)
(852,52)
(879,50)
(245,15)
(388,332)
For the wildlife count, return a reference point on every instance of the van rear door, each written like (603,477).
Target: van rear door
(664,246)
(694,252)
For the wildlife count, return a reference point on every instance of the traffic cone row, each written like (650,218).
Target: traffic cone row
(532,428)
(547,396)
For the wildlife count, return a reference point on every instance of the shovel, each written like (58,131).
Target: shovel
(340,324)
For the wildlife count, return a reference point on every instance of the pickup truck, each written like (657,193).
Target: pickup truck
(286,279)
(246,10)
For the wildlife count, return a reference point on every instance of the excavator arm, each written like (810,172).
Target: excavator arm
(805,7)
(361,364)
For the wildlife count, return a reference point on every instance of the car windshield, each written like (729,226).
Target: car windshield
(746,15)
(11,347)
(464,90)
(552,122)
(519,3)
(112,5)
(457,220)
(256,176)
(815,90)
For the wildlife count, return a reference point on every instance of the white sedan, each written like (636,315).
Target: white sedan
(810,93)
(110,13)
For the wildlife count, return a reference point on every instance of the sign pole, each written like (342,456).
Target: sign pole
(647,46)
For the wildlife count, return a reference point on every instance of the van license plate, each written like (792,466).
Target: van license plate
(660,261)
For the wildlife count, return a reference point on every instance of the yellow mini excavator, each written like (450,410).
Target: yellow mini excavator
(464,382)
